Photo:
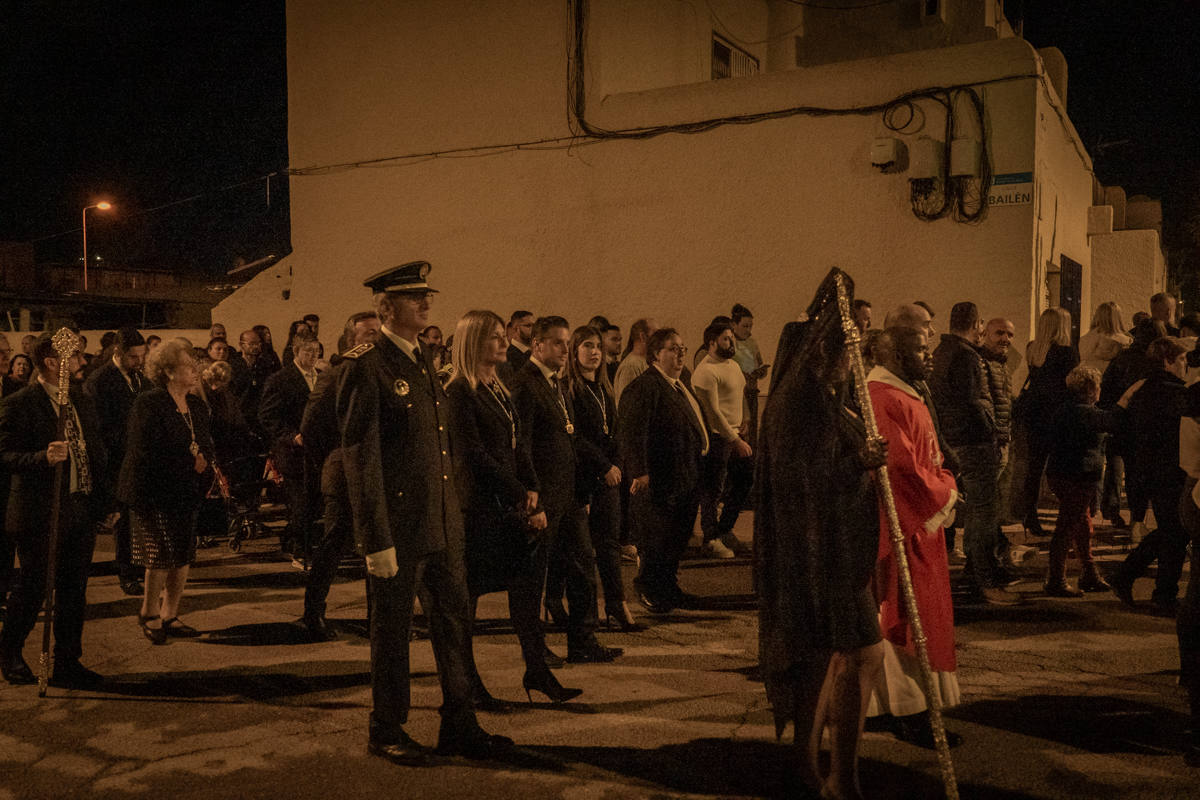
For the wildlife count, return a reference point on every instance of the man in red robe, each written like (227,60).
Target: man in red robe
(925,494)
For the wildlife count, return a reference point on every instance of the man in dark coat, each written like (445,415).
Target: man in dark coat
(548,431)
(397,457)
(663,436)
(520,339)
(112,386)
(279,413)
(319,429)
(250,373)
(29,451)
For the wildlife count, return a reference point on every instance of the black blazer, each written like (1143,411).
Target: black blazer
(596,449)
(516,358)
(397,454)
(545,434)
(113,399)
(158,472)
(27,426)
(660,436)
(492,475)
(280,412)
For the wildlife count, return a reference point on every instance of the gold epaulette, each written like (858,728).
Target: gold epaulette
(355,352)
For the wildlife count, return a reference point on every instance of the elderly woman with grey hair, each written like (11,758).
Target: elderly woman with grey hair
(163,480)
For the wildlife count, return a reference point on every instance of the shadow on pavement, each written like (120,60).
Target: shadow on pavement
(251,683)
(1097,723)
(749,768)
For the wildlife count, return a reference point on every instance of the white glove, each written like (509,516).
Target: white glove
(383,564)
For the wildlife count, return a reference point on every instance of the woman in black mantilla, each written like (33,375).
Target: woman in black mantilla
(163,480)
(816,542)
(501,517)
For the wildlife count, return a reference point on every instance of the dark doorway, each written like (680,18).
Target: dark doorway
(1070,292)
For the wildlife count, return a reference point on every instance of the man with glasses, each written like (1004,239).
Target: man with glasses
(663,436)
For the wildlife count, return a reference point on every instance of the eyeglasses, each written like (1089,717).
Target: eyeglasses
(679,349)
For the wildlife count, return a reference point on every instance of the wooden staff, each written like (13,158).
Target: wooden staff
(932,696)
(65,344)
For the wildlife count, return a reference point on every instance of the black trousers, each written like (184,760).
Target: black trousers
(439,580)
(1187,622)
(723,477)
(76,541)
(336,540)
(1167,543)
(569,543)
(604,522)
(662,530)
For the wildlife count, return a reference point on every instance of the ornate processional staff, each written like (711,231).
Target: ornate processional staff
(853,339)
(65,345)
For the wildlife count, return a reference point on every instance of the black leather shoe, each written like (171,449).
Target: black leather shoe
(594,653)
(654,605)
(318,629)
(132,587)
(1122,587)
(178,628)
(553,660)
(404,751)
(16,671)
(917,729)
(473,743)
(73,675)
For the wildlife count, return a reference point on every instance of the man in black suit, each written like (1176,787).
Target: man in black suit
(396,453)
(112,387)
(662,438)
(319,429)
(250,373)
(279,413)
(520,333)
(8,547)
(549,430)
(29,450)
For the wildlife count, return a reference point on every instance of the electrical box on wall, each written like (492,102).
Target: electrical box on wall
(887,153)
(964,158)
(925,158)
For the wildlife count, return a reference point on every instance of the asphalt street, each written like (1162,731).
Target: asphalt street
(1063,698)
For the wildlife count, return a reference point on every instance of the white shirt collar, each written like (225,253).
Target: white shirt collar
(407,347)
(548,373)
(880,374)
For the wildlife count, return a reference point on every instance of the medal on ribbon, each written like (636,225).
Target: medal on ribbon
(400,387)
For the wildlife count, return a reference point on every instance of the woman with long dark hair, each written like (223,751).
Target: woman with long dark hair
(501,516)
(598,476)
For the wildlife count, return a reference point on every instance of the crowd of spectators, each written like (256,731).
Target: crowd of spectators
(576,450)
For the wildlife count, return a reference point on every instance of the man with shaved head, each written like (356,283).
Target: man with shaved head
(911,315)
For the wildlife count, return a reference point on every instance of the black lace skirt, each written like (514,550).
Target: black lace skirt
(163,539)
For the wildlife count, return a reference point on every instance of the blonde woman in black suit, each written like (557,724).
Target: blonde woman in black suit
(501,516)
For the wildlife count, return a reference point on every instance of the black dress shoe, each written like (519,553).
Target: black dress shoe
(1122,587)
(178,628)
(73,675)
(318,629)
(474,743)
(16,671)
(132,587)
(917,729)
(654,605)
(404,751)
(553,660)
(594,653)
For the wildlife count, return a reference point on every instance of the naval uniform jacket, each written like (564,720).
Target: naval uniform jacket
(394,423)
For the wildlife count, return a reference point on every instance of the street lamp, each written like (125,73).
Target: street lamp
(103,205)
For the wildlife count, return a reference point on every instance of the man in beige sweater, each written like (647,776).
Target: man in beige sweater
(719,385)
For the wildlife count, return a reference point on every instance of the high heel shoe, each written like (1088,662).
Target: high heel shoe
(547,684)
(558,613)
(155,635)
(619,617)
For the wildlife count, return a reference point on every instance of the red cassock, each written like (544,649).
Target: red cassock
(923,490)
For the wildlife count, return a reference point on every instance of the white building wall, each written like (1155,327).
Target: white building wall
(1127,267)
(678,227)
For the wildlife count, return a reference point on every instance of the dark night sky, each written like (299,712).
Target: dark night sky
(149,102)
